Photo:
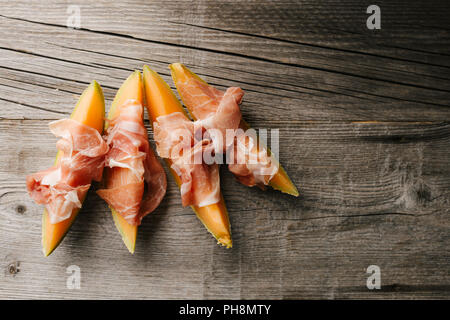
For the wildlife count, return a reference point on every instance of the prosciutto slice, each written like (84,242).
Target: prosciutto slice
(177,139)
(63,187)
(252,164)
(219,113)
(136,181)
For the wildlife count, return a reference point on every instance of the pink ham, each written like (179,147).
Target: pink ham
(62,187)
(136,180)
(200,183)
(203,98)
(174,134)
(227,117)
(252,164)
(218,112)
(176,139)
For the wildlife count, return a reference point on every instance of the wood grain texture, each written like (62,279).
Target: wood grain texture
(364,133)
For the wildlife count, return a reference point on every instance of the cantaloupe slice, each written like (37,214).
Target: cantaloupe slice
(162,101)
(132,88)
(180,74)
(90,110)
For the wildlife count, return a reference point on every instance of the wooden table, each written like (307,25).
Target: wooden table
(364,125)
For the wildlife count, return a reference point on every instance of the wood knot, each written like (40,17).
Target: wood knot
(13,268)
(423,193)
(415,194)
(21,209)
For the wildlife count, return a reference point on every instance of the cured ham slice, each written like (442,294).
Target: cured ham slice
(176,139)
(62,187)
(252,164)
(173,133)
(200,183)
(136,181)
(227,117)
(215,110)
(218,112)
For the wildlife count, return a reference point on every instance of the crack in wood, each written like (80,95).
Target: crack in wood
(234,54)
(34,107)
(54,77)
(47,57)
(37,84)
(311,45)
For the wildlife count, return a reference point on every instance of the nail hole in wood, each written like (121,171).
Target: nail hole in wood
(21,209)
(13,268)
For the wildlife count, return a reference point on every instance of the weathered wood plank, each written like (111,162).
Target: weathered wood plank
(371,193)
(312,81)
(365,133)
(310,23)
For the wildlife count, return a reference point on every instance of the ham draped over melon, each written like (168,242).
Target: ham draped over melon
(176,139)
(136,180)
(62,187)
(218,114)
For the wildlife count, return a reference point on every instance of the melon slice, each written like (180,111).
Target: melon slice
(89,110)
(162,101)
(132,88)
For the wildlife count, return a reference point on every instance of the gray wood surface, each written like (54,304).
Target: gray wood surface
(364,124)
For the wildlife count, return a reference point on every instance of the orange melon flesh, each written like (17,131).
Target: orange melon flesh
(89,110)
(162,101)
(132,88)
(281,181)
